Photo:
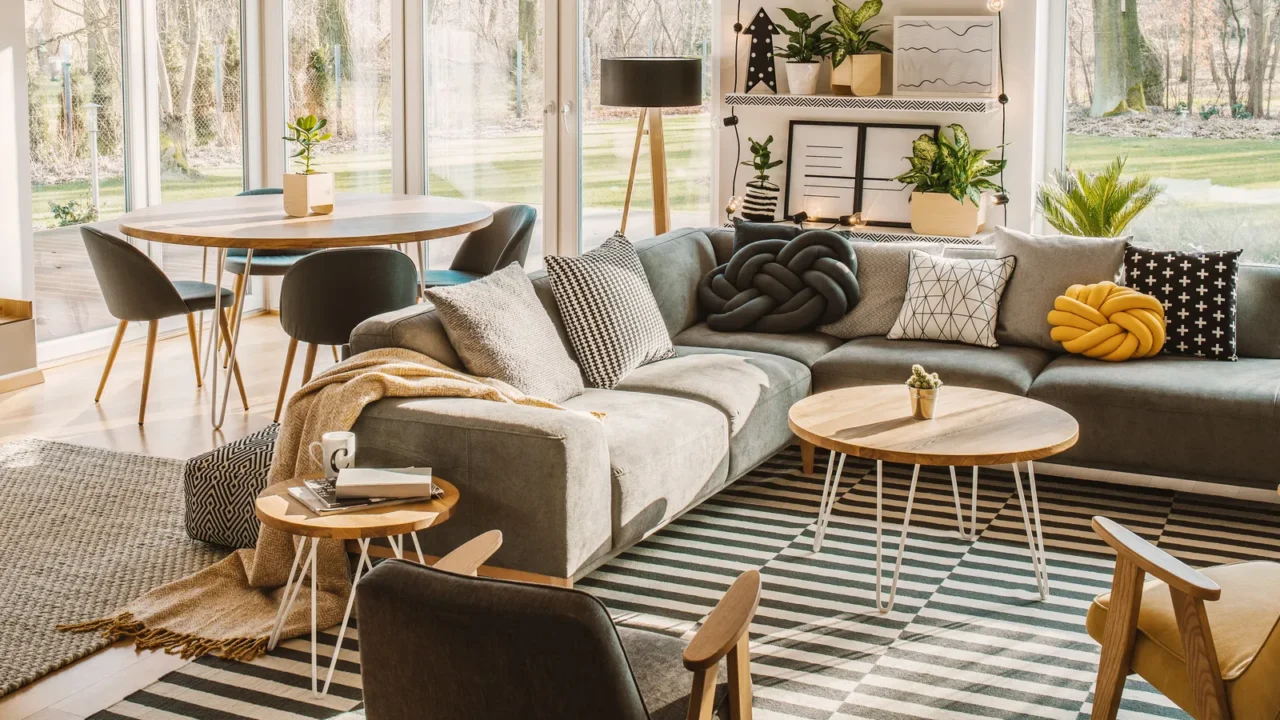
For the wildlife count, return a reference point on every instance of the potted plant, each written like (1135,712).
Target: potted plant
(855,57)
(761,202)
(805,49)
(951,180)
(923,388)
(307,191)
(1098,205)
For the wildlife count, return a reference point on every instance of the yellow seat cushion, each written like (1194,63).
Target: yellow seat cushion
(1107,322)
(1243,622)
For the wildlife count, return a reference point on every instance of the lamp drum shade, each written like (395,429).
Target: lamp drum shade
(651,82)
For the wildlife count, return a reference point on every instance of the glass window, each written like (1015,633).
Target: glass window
(1185,89)
(484,108)
(340,69)
(616,28)
(77,139)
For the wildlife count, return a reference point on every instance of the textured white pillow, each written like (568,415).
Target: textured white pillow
(500,329)
(952,299)
(609,311)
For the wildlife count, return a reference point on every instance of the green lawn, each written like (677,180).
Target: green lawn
(1234,163)
(507,169)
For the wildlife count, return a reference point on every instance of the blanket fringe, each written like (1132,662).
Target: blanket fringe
(185,645)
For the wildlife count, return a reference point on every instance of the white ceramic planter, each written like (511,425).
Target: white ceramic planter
(802,78)
(857,75)
(941,214)
(307,194)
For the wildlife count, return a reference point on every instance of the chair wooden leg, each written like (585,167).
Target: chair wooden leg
(335,352)
(703,696)
(1202,657)
(226,336)
(195,346)
(1118,638)
(111,358)
(284,381)
(806,456)
(309,364)
(740,679)
(152,329)
(235,312)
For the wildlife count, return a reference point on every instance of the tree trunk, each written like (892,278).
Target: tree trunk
(1259,49)
(1110,60)
(1191,55)
(193,56)
(1134,66)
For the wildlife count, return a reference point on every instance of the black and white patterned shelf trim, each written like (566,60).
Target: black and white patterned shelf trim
(849,102)
(873,235)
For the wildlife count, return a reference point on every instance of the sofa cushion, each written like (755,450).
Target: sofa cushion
(753,390)
(882,277)
(875,361)
(664,453)
(1170,415)
(1257,307)
(801,347)
(674,262)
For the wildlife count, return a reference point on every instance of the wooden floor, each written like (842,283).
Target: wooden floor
(177,426)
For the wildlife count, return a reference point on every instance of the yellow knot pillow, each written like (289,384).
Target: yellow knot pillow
(1107,322)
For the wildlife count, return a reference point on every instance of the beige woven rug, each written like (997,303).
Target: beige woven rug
(82,532)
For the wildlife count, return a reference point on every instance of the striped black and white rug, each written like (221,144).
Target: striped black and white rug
(968,638)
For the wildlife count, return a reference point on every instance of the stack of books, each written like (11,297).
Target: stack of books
(364,488)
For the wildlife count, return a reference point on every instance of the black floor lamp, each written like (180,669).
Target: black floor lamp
(651,83)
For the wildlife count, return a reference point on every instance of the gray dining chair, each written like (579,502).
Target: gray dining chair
(504,241)
(327,293)
(479,648)
(137,290)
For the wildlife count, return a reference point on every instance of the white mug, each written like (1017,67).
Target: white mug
(337,451)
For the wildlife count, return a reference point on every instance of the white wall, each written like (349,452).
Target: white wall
(1027,54)
(17,253)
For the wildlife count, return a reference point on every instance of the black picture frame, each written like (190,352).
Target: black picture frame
(859,177)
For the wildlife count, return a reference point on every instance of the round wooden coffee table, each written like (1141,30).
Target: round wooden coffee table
(277,509)
(970,427)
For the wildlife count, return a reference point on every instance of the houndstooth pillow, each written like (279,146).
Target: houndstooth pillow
(609,311)
(952,299)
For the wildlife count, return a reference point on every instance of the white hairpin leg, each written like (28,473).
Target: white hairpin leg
(1039,563)
(346,617)
(830,489)
(220,415)
(397,545)
(417,546)
(285,601)
(972,533)
(902,541)
(314,573)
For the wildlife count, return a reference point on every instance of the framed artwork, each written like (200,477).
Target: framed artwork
(945,55)
(841,168)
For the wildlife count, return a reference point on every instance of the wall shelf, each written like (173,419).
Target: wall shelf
(875,233)
(890,103)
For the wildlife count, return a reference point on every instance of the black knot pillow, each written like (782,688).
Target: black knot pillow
(782,286)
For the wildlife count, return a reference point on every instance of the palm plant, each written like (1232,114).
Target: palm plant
(806,43)
(1100,205)
(952,166)
(848,37)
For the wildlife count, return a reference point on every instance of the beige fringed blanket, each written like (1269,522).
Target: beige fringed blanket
(229,608)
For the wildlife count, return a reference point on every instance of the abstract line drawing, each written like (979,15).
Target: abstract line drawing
(942,56)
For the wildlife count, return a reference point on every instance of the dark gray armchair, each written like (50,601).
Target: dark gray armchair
(475,648)
(504,241)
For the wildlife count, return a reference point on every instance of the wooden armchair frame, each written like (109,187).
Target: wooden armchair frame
(725,634)
(1135,558)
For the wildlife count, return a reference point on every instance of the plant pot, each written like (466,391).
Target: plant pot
(923,402)
(858,75)
(802,78)
(761,202)
(941,214)
(307,194)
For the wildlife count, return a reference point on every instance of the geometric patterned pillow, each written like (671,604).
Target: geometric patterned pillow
(952,299)
(1198,291)
(609,312)
(220,487)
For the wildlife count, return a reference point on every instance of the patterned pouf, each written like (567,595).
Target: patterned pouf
(221,486)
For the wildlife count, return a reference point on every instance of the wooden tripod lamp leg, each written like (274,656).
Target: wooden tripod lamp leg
(631,178)
(658,160)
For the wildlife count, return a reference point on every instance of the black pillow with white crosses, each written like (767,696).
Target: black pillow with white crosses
(1198,291)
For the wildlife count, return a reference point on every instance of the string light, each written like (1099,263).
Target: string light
(995,5)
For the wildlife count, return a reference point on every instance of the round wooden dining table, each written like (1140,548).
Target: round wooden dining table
(258,222)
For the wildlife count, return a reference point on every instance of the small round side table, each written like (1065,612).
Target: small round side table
(279,510)
(971,427)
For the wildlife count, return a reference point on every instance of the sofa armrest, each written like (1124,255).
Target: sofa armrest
(416,328)
(541,476)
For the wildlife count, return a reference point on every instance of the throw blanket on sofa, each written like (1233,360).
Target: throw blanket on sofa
(228,608)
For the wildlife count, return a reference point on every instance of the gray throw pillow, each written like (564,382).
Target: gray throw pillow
(500,330)
(882,277)
(1047,266)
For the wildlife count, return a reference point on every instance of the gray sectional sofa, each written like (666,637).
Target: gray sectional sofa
(569,491)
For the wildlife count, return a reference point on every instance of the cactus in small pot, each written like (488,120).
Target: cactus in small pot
(923,388)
